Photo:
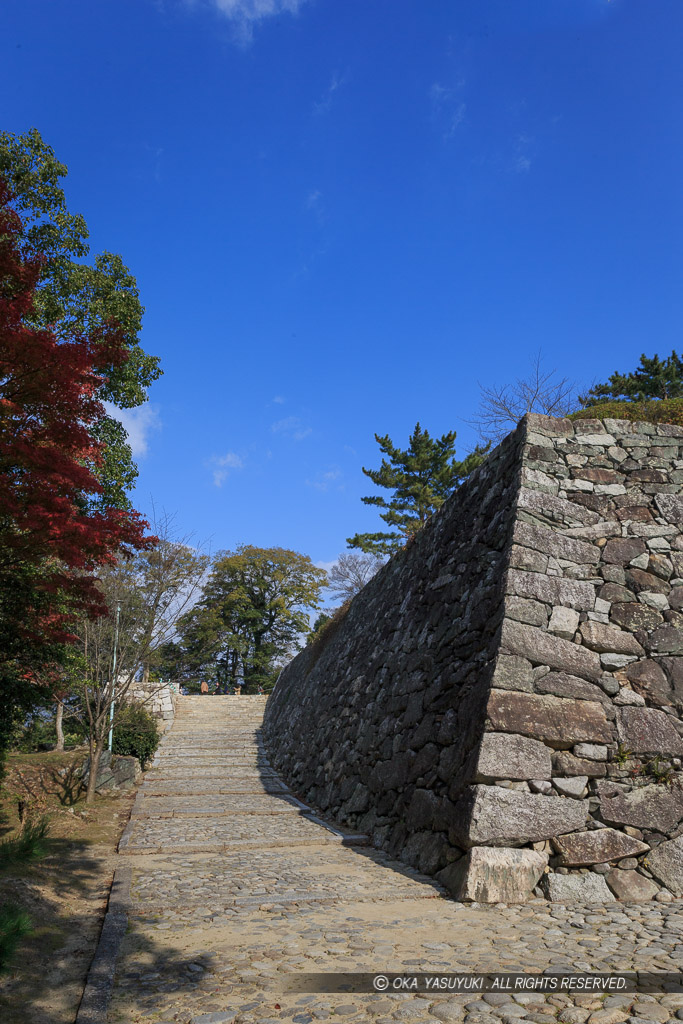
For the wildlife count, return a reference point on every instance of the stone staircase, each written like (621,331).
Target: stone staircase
(211,788)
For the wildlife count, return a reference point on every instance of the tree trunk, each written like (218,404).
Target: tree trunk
(58,725)
(95,754)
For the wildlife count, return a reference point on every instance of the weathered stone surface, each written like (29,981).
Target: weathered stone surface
(546,649)
(676,598)
(551,589)
(666,640)
(639,580)
(573,787)
(673,669)
(666,864)
(593,751)
(597,636)
(597,476)
(615,593)
(635,616)
(649,680)
(670,507)
(563,622)
(646,731)
(599,846)
(113,772)
(533,612)
(491,816)
(620,550)
(562,685)
(630,886)
(587,889)
(653,807)
(512,673)
(568,764)
(561,722)
(494,875)
(555,543)
(508,756)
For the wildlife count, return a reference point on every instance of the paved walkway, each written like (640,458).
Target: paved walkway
(236,889)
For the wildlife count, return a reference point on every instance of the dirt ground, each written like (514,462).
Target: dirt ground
(65,893)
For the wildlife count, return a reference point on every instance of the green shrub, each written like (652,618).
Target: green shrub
(136,732)
(29,845)
(657,410)
(14,924)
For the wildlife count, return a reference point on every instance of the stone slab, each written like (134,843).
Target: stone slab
(586,889)
(543,648)
(599,846)
(557,720)
(492,816)
(494,875)
(647,731)
(509,756)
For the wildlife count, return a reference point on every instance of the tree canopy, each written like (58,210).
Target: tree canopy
(73,297)
(351,572)
(652,378)
(421,477)
(51,538)
(252,614)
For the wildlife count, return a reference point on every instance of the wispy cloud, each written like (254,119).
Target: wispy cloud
(278,400)
(324,481)
(292,427)
(315,204)
(325,102)
(246,14)
(524,152)
(138,423)
(448,107)
(326,565)
(222,464)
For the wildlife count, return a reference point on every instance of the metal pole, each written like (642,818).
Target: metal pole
(113,685)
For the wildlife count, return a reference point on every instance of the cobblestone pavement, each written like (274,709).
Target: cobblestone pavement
(236,890)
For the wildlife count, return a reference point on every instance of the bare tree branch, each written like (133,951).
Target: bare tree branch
(542,391)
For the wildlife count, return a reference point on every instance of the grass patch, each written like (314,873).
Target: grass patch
(656,410)
(30,845)
(14,925)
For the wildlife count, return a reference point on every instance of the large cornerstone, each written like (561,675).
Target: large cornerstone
(500,705)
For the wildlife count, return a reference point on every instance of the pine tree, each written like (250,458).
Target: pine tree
(421,478)
(653,378)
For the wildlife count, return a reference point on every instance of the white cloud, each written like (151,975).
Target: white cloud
(314,203)
(326,565)
(222,465)
(291,427)
(323,481)
(279,400)
(138,424)
(448,107)
(524,152)
(245,14)
(324,104)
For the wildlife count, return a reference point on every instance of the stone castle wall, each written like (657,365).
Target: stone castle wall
(159,699)
(500,705)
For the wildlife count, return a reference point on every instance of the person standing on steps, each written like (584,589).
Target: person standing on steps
(204,687)
(238,689)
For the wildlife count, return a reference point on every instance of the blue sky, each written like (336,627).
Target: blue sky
(343,215)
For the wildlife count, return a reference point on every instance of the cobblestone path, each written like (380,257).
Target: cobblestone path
(236,889)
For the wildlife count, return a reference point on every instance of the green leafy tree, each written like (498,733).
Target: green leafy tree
(652,378)
(421,478)
(251,615)
(78,298)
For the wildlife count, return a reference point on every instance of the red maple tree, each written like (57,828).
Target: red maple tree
(52,539)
